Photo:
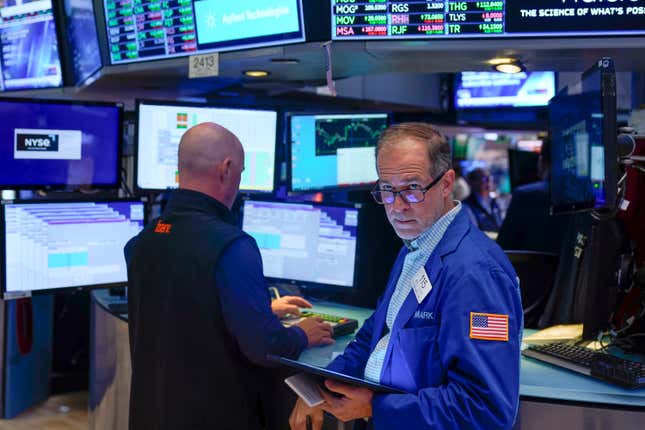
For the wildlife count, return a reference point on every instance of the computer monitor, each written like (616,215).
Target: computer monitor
(139,31)
(29,56)
(54,245)
(161,125)
(59,143)
(305,243)
(82,39)
(583,131)
(494,89)
(334,150)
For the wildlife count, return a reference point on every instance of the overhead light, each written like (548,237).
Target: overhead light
(495,61)
(256,73)
(514,66)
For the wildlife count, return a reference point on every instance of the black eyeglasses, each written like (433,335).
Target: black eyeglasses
(408,195)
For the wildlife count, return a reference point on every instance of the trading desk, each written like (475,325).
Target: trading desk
(550,397)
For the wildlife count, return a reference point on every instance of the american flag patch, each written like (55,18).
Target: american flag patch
(488,326)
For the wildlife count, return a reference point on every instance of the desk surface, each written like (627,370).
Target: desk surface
(537,380)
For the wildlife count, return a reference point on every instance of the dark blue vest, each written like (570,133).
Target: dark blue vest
(187,370)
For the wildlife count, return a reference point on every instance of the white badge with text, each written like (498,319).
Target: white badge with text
(421,285)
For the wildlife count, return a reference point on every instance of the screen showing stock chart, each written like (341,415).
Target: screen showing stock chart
(334,150)
(384,19)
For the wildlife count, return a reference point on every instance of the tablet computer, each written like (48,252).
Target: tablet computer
(321,373)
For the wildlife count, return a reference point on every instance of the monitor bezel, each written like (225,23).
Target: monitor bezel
(288,152)
(607,94)
(3,244)
(309,287)
(137,129)
(119,144)
(491,107)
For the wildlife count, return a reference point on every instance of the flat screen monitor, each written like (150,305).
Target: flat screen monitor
(334,150)
(396,20)
(138,31)
(303,242)
(49,246)
(59,143)
(82,38)
(161,125)
(494,89)
(29,56)
(583,131)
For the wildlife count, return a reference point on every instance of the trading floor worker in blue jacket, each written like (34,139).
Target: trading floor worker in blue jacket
(448,328)
(201,321)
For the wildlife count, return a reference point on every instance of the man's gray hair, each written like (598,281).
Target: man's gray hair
(439,152)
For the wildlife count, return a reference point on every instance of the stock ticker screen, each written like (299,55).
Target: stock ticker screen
(151,29)
(29,56)
(383,19)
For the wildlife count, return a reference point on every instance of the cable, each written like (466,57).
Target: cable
(124,182)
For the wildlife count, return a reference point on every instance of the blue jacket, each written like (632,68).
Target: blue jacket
(454,382)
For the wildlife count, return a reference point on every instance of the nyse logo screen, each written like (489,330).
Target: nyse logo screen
(37,142)
(47,144)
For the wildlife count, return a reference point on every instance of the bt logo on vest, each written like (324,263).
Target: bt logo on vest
(162,227)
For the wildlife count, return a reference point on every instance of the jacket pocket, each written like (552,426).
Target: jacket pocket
(415,358)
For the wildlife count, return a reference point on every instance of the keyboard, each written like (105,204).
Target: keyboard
(118,307)
(606,367)
(340,325)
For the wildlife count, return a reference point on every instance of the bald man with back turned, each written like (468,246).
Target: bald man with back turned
(201,320)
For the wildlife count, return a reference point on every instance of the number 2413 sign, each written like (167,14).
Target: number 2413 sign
(201,66)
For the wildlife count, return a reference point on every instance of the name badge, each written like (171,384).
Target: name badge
(421,285)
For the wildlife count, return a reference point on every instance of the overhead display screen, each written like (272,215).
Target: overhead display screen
(489,89)
(151,29)
(383,19)
(29,56)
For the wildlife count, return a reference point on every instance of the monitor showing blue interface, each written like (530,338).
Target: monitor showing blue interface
(161,126)
(29,57)
(149,30)
(82,38)
(334,150)
(304,242)
(61,245)
(490,89)
(583,134)
(58,144)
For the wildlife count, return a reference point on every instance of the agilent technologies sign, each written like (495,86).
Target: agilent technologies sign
(38,144)
(444,19)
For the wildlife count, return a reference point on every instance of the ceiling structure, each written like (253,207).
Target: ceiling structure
(359,58)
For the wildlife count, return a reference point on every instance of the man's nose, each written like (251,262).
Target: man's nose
(399,203)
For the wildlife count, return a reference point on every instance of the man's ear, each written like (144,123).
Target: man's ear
(448,181)
(226,167)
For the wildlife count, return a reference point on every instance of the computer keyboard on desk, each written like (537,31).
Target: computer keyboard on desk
(340,325)
(609,368)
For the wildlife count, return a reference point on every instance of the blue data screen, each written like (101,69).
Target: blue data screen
(304,242)
(489,89)
(60,245)
(29,56)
